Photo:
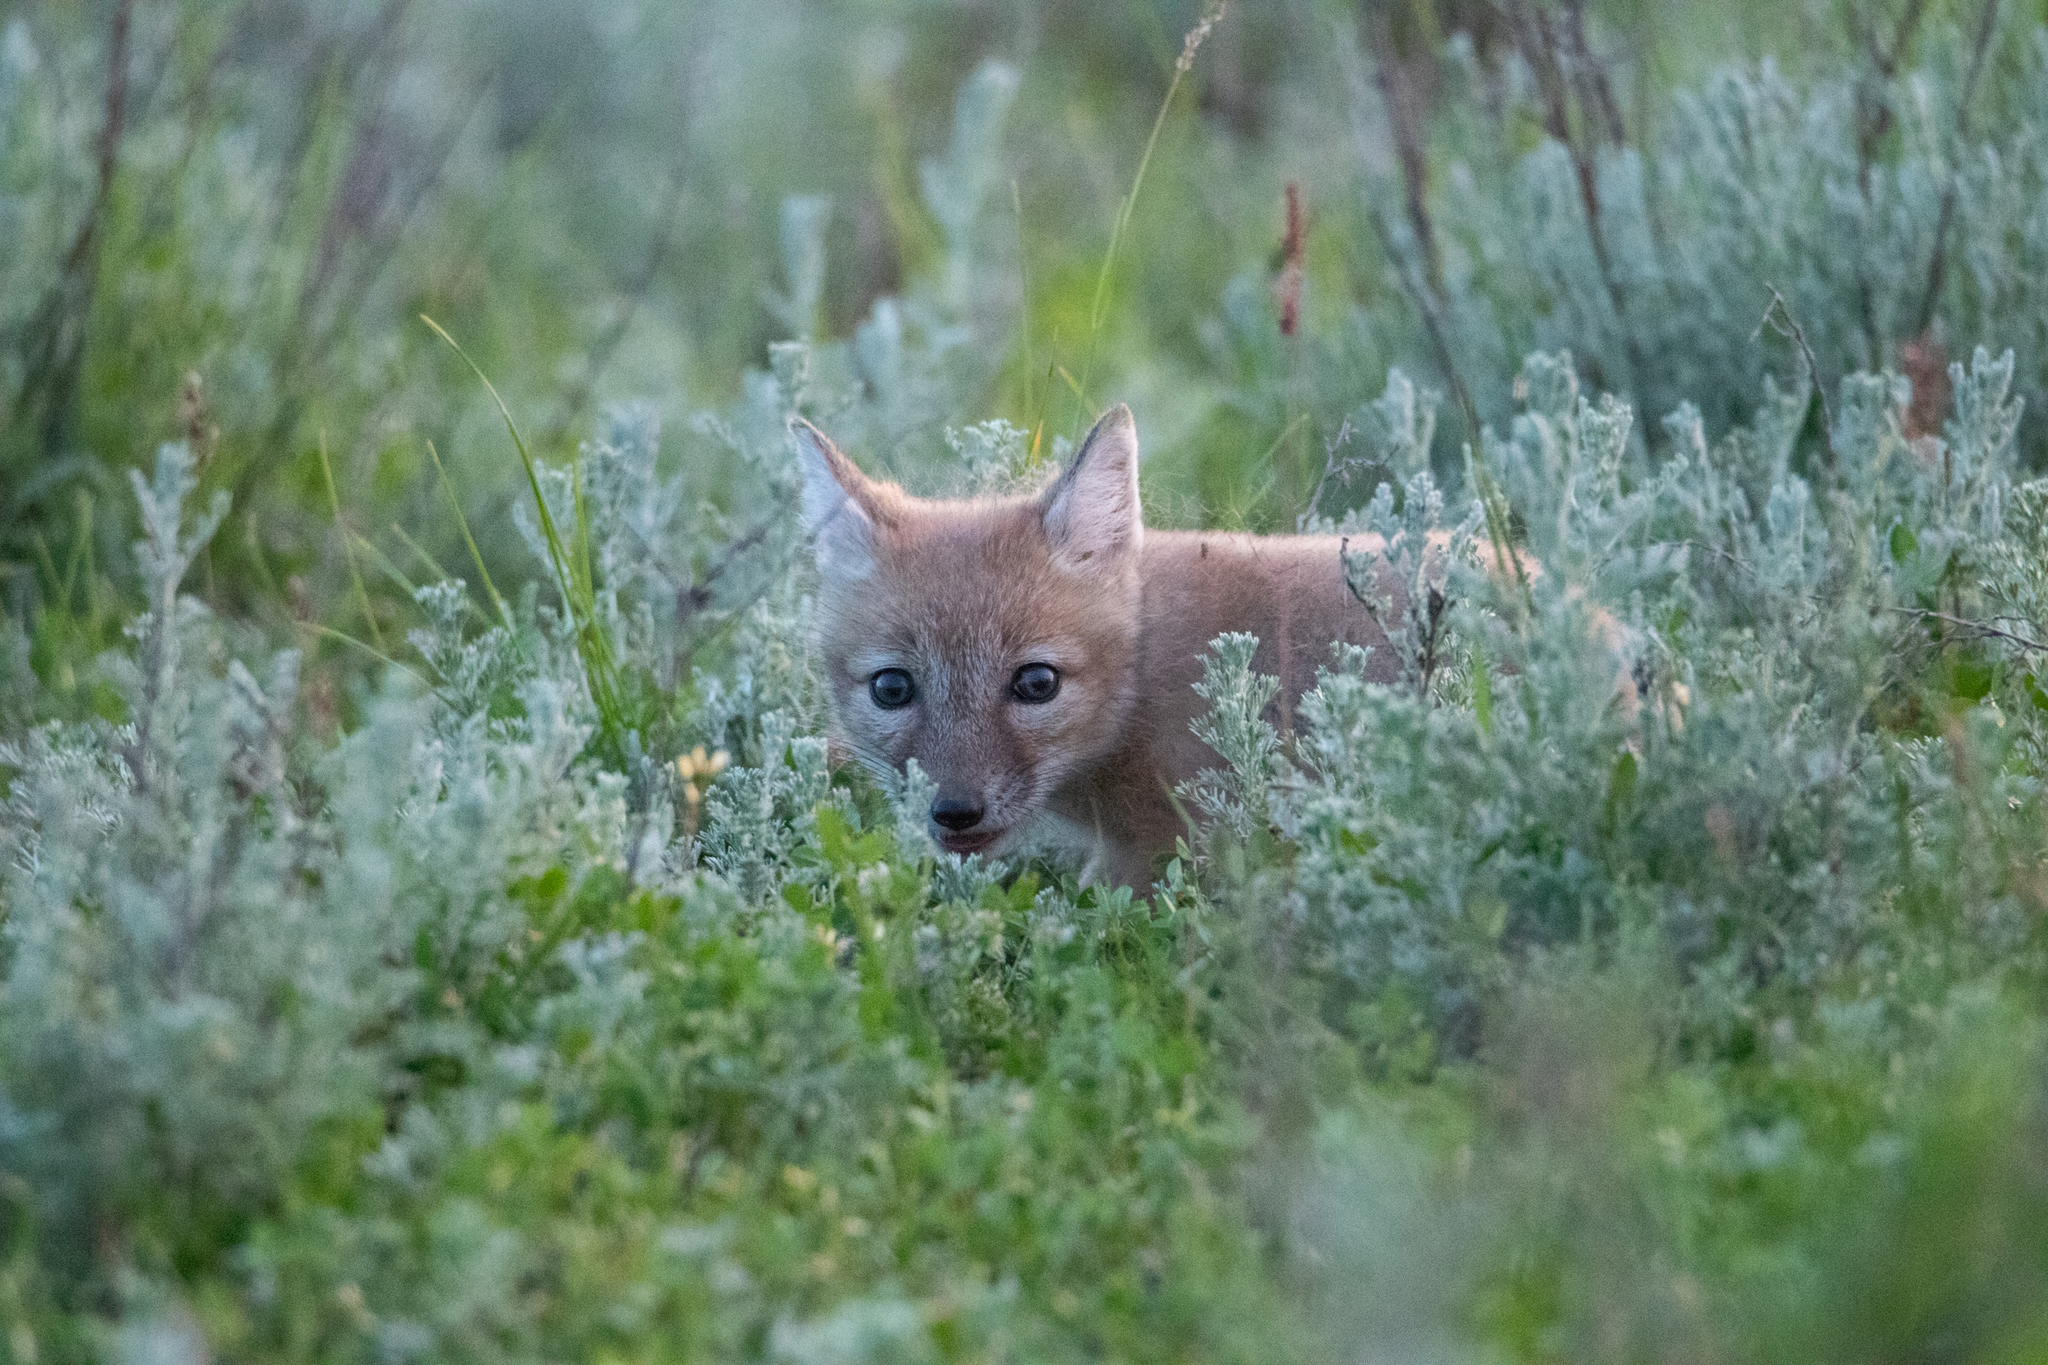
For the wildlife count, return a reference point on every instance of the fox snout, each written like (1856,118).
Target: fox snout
(957,813)
(960,822)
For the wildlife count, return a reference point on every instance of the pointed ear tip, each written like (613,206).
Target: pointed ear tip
(1116,419)
(813,444)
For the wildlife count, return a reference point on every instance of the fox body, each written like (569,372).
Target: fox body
(1037,654)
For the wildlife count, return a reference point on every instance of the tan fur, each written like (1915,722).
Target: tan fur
(961,593)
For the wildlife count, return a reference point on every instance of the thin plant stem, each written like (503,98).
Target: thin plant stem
(476,555)
(1790,329)
(383,564)
(1190,44)
(571,565)
(1937,265)
(421,551)
(329,632)
(348,548)
(1024,313)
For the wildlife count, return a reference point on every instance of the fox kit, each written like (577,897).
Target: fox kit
(1036,655)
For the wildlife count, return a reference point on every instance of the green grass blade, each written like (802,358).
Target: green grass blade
(348,549)
(578,592)
(475,554)
(422,553)
(382,563)
(330,633)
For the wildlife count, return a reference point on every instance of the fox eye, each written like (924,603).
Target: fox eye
(1035,684)
(892,689)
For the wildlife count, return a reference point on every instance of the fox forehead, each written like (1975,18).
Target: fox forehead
(965,582)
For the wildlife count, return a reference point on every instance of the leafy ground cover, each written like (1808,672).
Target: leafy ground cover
(432,925)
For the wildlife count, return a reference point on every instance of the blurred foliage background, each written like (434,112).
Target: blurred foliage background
(224,220)
(430,927)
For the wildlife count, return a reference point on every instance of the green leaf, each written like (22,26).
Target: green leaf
(1971,679)
(1621,789)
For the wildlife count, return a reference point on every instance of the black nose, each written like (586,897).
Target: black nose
(956,814)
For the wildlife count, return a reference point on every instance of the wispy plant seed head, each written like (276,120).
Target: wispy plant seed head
(1191,42)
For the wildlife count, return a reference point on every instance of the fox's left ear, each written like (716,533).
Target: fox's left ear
(1092,513)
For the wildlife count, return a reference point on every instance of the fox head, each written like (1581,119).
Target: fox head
(993,640)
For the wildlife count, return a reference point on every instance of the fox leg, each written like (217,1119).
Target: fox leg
(1111,864)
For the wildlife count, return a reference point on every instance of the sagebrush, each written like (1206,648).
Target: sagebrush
(465,947)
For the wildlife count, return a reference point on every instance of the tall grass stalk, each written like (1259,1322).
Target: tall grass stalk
(348,548)
(571,564)
(384,564)
(1036,421)
(476,555)
(343,637)
(424,555)
(1191,43)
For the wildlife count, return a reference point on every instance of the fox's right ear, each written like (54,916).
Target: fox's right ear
(835,494)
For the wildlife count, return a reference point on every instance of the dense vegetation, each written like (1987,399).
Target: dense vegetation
(432,927)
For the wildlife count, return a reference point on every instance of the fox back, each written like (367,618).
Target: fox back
(1037,655)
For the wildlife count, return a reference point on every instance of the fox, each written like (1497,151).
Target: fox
(1036,654)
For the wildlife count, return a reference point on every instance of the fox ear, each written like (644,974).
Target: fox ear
(1092,513)
(835,511)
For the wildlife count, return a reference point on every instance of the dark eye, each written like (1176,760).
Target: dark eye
(1035,683)
(892,689)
